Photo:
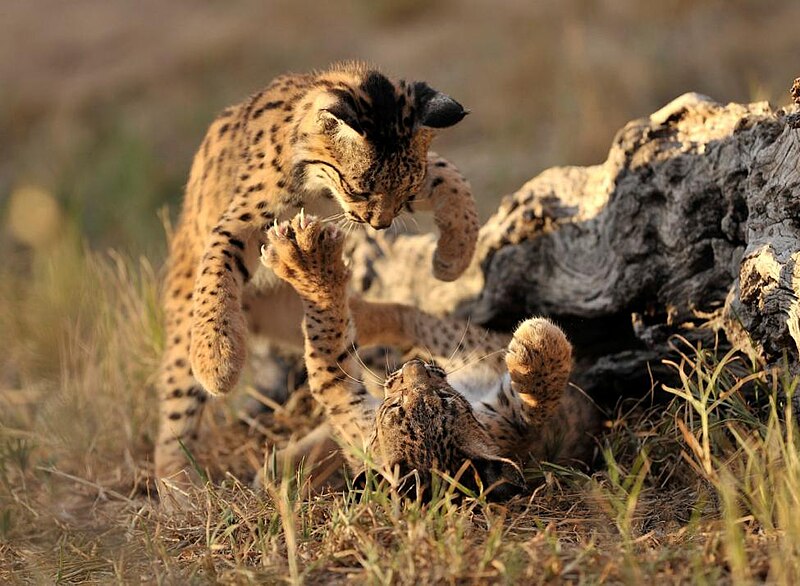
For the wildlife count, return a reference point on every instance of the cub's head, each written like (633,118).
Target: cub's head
(425,425)
(365,140)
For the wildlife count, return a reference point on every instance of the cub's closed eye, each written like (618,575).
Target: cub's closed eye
(437,370)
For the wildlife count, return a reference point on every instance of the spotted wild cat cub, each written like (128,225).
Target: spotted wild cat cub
(347,141)
(501,402)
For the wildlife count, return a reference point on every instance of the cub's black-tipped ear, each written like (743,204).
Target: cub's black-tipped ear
(501,479)
(437,110)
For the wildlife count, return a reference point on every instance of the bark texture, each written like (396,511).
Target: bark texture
(691,226)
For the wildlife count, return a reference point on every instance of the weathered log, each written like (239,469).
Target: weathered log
(691,224)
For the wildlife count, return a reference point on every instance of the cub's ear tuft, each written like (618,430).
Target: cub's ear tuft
(437,110)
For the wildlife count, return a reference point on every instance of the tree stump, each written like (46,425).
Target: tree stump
(691,226)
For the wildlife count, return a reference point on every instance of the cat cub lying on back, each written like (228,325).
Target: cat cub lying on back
(497,413)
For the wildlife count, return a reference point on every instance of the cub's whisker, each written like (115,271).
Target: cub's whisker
(476,361)
(389,369)
(427,349)
(348,375)
(421,199)
(461,340)
(468,359)
(351,226)
(334,217)
(402,220)
(354,353)
(413,219)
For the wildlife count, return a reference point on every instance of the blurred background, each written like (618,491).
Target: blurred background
(103,103)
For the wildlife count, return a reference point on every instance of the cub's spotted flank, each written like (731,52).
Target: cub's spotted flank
(498,413)
(345,142)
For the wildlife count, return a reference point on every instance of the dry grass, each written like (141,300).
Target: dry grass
(702,487)
(108,101)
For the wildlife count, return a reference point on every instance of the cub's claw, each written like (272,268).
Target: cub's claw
(306,253)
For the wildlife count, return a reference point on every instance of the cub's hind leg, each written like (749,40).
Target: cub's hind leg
(558,421)
(181,396)
(451,342)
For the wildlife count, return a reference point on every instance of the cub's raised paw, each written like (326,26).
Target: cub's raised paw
(307,254)
(539,360)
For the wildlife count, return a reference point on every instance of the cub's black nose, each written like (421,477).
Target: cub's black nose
(414,370)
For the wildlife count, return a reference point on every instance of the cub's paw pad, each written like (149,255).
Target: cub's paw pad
(539,349)
(305,250)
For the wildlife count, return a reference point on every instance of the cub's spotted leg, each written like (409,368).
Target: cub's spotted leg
(219,328)
(539,361)
(454,344)
(448,194)
(180,396)
(307,254)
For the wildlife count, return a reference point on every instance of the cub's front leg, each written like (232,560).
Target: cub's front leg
(219,327)
(539,361)
(307,254)
(558,421)
(448,195)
